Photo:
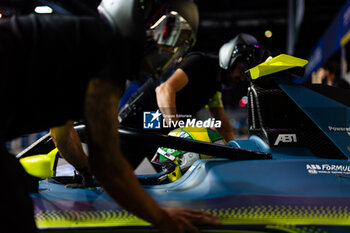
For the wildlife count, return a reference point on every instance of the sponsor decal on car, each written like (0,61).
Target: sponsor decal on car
(328,169)
(286,138)
(339,129)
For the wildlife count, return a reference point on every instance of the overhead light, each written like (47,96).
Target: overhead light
(43,10)
(268,34)
(0,15)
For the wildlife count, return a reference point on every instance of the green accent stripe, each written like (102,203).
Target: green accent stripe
(273,216)
(280,214)
(148,231)
(233,231)
(105,218)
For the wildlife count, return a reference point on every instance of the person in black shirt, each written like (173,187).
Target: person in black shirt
(56,69)
(203,82)
(197,82)
(329,74)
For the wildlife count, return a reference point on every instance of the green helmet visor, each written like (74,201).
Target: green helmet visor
(176,162)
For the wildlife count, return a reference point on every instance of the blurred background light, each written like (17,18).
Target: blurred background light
(268,34)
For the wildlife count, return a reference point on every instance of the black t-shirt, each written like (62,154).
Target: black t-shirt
(46,62)
(341,83)
(202,71)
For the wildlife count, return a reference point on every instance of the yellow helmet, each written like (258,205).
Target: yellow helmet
(176,162)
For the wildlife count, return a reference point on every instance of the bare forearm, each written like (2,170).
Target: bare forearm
(166,101)
(122,185)
(226,130)
(106,160)
(68,143)
(166,94)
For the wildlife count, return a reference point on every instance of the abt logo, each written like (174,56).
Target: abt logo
(286,138)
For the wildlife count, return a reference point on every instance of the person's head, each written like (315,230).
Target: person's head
(176,162)
(238,55)
(330,70)
(170,27)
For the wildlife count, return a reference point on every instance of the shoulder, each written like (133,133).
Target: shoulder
(342,84)
(198,61)
(200,57)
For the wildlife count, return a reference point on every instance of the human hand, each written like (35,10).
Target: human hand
(318,76)
(180,220)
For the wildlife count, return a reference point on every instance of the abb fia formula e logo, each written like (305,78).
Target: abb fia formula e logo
(338,169)
(286,138)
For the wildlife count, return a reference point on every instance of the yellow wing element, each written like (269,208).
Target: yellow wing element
(40,165)
(279,63)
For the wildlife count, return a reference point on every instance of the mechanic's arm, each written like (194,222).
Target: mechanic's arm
(226,129)
(166,94)
(68,144)
(114,172)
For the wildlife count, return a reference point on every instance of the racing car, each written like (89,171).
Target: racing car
(291,175)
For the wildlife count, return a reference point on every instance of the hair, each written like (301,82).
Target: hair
(333,67)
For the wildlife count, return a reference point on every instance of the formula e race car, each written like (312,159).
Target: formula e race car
(291,175)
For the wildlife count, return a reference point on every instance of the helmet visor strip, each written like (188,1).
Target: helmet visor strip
(169,38)
(245,53)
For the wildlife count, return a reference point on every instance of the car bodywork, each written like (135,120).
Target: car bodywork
(291,175)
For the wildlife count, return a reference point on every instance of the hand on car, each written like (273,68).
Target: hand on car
(180,220)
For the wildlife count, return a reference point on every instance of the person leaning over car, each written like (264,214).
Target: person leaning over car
(199,78)
(56,69)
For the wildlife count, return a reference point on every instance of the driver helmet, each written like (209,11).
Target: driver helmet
(170,27)
(242,47)
(175,163)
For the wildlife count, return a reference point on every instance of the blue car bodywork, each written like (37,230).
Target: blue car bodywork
(304,186)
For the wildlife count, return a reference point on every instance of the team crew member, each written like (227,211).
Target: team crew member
(55,69)
(167,39)
(198,81)
(329,74)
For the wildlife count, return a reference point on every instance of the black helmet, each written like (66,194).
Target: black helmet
(154,9)
(171,27)
(170,34)
(242,47)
